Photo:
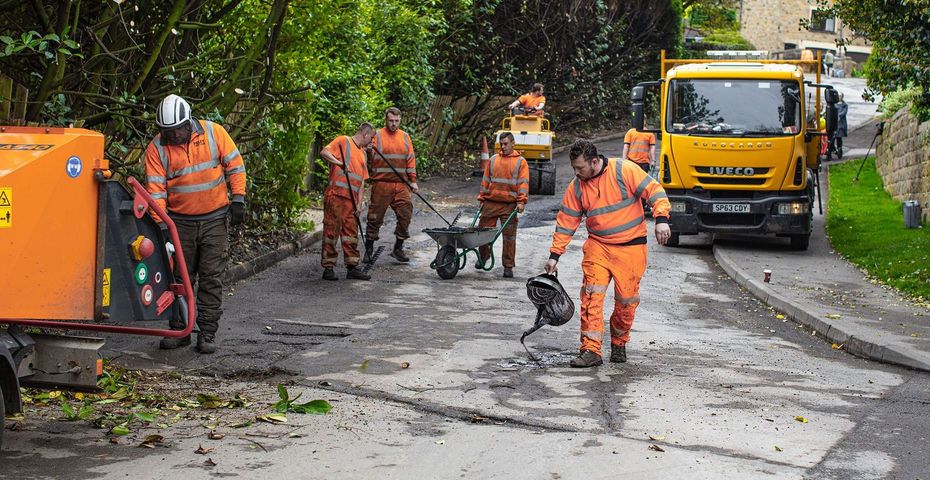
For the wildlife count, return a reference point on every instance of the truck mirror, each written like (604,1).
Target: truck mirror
(638,116)
(832,118)
(832,96)
(639,94)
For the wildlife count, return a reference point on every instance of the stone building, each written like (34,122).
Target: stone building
(776,26)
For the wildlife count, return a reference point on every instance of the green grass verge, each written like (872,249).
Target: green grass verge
(866,226)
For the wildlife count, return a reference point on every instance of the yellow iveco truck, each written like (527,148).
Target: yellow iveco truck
(740,144)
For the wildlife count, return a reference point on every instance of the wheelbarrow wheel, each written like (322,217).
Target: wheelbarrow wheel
(447,265)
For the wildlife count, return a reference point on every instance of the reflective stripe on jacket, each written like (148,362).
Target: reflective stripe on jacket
(398,150)
(191,179)
(506,179)
(640,144)
(610,203)
(345,150)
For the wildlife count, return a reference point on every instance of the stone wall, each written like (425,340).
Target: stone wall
(903,159)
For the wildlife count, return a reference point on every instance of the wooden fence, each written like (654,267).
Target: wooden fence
(13,98)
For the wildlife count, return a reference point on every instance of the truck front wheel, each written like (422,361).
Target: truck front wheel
(800,242)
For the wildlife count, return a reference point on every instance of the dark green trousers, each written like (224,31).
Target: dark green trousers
(206,246)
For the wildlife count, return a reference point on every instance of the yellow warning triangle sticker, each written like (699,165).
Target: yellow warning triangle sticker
(106,277)
(4,201)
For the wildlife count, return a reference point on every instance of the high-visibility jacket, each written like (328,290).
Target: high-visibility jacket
(506,179)
(610,203)
(530,101)
(345,150)
(639,145)
(189,181)
(398,150)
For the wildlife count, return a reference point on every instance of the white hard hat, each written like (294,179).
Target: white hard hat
(173,111)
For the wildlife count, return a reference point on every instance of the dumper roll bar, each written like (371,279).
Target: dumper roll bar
(142,201)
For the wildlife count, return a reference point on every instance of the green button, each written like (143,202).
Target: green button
(142,273)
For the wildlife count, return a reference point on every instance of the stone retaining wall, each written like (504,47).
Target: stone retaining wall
(903,159)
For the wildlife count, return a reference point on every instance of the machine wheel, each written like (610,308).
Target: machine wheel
(447,266)
(2,419)
(547,182)
(673,239)
(800,242)
(542,180)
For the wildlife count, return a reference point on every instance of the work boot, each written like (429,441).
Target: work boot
(618,354)
(357,274)
(398,252)
(586,359)
(329,274)
(206,343)
(170,343)
(508,272)
(369,251)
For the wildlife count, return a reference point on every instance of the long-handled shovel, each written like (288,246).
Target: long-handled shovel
(358,221)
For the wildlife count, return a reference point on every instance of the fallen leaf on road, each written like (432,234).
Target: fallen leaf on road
(778,449)
(151,440)
(837,346)
(209,462)
(363,366)
(405,365)
(242,424)
(216,436)
(440,442)
(273,418)
(779,316)
(801,419)
(477,419)
(202,451)
(120,430)
(656,448)
(832,316)
(657,438)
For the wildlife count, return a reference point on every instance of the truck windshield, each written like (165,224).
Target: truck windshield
(727,107)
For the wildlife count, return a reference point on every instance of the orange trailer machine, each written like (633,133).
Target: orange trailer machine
(78,251)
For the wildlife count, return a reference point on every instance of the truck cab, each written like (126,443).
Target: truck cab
(740,146)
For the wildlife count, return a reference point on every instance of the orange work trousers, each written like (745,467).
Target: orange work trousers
(491,213)
(602,263)
(339,223)
(389,194)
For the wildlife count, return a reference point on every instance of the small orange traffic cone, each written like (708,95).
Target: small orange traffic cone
(485,158)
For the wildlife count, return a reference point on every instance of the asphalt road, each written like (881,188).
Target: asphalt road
(429,380)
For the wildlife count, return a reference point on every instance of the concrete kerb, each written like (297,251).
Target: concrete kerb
(807,316)
(262,262)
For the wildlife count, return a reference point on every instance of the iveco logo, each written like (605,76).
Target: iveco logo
(732,171)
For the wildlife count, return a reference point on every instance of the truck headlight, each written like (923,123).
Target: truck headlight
(794,208)
(679,207)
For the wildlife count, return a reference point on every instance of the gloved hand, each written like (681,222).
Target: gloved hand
(236,213)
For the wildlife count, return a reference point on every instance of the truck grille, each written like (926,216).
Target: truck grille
(731,180)
(734,219)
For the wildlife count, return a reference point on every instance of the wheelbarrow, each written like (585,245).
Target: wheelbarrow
(449,260)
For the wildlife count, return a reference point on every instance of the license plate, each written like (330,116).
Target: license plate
(731,208)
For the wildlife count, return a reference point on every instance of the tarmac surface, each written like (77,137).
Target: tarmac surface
(429,380)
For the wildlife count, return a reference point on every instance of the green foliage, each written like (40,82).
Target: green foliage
(900,32)
(713,16)
(288,404)
(898,99)
(863,220)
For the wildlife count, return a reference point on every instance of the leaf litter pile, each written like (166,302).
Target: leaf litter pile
(131,405)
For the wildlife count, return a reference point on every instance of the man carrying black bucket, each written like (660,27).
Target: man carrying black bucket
(607,193)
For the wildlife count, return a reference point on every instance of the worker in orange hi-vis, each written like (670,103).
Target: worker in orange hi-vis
(640,148)
(394,176)
(504,188)
(607,193)
(188,166)
(342,200)
(532,103)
